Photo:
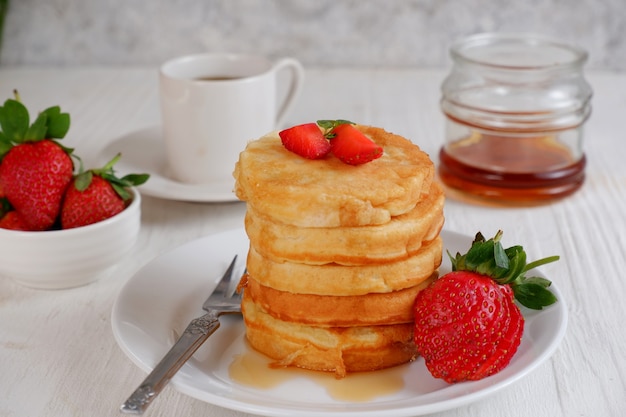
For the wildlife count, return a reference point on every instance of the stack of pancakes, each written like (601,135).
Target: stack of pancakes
(337,253)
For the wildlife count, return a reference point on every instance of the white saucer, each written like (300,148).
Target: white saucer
(143,152)
(156,304)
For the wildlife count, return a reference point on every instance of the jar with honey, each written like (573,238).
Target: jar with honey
(514,106)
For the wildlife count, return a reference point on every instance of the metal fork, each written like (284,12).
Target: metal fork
(222,300)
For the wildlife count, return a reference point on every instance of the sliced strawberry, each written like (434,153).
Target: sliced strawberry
(507,345)
(467,325)
(352,147)
(459,321)
(306,140)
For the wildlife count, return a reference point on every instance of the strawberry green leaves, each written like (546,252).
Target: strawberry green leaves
(329,126)
(5,145)
(120,185)
(507,266)
(57,123)
(14,121)
(36,131)
(533,293)
(16,127)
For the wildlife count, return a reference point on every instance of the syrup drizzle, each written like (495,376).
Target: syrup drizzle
(253,369)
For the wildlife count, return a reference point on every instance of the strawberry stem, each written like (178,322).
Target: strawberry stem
(540,262)
(109,165)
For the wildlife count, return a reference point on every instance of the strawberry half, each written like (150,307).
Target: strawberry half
(352,147)
(97,195)
(306,140)
(467,325)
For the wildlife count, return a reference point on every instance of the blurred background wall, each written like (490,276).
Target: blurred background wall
(321,33)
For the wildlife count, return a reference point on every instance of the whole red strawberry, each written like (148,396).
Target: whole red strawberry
(34,177)
(467,325)
(35,169)
(97,195)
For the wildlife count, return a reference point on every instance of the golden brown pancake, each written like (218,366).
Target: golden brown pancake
(337,311)
(335,279)
(397,239)
(329,193)
(332,349)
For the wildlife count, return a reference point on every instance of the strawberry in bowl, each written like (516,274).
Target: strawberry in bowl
(35,169)
(96,195)
(59,229)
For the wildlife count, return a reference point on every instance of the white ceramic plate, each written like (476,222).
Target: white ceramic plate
(143,151)
(158,302)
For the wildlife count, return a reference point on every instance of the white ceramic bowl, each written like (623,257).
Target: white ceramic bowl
(69,258)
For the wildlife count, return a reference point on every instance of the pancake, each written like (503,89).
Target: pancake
(335,279)
(328,193)
(337,311)
(337,253)
(331,349)
(397,239)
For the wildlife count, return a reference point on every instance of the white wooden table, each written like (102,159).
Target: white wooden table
(58,356)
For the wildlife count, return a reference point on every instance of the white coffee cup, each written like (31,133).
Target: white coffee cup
(212,105)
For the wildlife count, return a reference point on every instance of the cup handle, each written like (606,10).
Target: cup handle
(296,82)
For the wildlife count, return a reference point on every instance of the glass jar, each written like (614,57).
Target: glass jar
(515,106)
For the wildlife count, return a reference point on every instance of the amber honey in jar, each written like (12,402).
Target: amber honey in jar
(514,106)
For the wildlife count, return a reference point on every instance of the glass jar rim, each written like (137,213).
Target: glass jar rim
(517,51)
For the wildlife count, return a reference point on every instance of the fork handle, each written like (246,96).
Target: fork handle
(196,333)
